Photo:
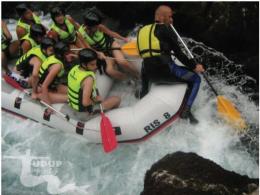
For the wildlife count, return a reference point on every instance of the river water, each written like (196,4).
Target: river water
(39,160)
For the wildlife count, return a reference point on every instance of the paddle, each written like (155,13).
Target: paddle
(129,48)
(107,133)
(226,108)
(16,85)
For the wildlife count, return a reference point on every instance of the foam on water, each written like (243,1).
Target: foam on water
(85,169)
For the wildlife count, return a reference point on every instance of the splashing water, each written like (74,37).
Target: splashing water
(86,169)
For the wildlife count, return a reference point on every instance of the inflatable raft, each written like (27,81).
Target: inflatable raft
(158,109)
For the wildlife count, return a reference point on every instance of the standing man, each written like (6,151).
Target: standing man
(155,43)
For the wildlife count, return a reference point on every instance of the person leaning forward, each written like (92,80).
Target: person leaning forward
(155,43)
(101,38)
(27,18)
(82,91)
(50,89)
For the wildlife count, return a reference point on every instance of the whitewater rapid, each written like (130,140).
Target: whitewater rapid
(78,167)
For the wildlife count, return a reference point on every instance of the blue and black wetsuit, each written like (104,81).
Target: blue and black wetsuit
(163,68)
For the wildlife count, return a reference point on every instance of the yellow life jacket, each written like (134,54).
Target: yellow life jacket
(148,44)
(44,70)
(26,26)
(22,64)
(75,78)
(32,41)
(98,40)
(66,36)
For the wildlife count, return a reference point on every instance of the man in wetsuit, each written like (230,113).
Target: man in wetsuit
(155,43)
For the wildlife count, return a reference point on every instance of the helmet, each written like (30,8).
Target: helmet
(21,8)
(47,42)
(92,19)
(37,30)
(87,55)
(60,49)
(56,11)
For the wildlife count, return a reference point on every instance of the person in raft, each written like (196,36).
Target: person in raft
(27,18)
(33,38)
(101,38)
(82,90)
(28,65)
(64,28)
(9,48)
(50,90)
(157,61)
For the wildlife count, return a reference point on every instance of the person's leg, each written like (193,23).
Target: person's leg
(62,89)
(14,49)
(58,97)
(145,83)
(4,63)
(121,61)
(193,79)
(112,71)
(111,102)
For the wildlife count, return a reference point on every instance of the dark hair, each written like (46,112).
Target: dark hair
(47,42)
(21,9)
(92,19)
(87,55)
(56,11)
(60,48)
(37,30)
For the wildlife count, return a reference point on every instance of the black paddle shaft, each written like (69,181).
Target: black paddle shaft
(211,86)
(187,49)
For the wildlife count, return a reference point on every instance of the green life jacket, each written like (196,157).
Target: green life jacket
(22,64)
(148,44)
(29,38)
(26,26)
(66,36)
(44,70)
(3,41)
(75,78)
(97,41)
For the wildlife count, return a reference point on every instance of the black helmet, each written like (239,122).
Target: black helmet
(21,8)
(47,42)
(92,19)
(37,30)
(56,11)
(60,49)
(87,55)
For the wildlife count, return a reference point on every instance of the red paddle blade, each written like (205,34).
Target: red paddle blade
(12,82)
(107,134)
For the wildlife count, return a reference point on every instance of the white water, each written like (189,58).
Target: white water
(85,169)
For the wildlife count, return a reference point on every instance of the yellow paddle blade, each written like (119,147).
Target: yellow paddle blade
(228,111)
(130,49)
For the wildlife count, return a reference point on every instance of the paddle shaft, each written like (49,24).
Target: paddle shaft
(189,52)
(108,57)
(47,105)
(112,48)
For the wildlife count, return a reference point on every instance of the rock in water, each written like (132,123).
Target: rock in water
(189,174)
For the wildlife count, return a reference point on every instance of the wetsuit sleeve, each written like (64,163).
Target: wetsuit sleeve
(170,37)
